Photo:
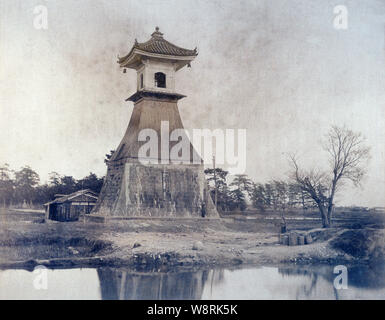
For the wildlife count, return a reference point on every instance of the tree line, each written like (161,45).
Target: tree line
(23,187)
(277,195)
(305,187)
(313,186)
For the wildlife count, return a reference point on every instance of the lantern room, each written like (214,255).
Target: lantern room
(156,62)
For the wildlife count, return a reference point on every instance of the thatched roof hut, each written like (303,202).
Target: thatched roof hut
(70,207)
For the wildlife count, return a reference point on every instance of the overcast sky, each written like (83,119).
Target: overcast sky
(276,68)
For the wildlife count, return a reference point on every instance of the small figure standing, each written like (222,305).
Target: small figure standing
(283,225)
(203,210)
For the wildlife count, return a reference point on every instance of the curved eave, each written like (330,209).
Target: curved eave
(155,94)
(133,59)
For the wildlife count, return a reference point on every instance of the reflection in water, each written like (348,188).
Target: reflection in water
(364,282)
(125,285)
(292,282)
(308,287)
(255,283)
(360,276)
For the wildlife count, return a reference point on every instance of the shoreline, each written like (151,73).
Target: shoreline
(143,244)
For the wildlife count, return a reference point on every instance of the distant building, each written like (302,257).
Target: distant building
(70,207)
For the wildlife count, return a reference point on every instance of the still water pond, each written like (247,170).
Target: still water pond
(249,283)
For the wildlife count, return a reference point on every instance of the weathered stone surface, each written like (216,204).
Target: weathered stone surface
(73,250)
(197,245)
(135,189)
(136,245)
(139,190)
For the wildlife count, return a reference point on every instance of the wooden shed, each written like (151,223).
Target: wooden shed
(70,207)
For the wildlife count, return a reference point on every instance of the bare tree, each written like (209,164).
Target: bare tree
(348,157)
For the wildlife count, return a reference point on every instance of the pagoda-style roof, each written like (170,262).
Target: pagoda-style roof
(157,47)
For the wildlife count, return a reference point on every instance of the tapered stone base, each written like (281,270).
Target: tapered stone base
(132,189)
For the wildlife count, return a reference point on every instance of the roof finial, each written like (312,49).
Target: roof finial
(157,33)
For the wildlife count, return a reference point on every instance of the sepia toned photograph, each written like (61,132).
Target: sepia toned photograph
(166,150)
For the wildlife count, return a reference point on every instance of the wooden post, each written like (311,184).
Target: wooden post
(285,240)
(292,239)
(301,240)
(3,215)
(215,184)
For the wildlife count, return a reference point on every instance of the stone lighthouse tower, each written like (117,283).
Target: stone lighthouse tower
(153,172)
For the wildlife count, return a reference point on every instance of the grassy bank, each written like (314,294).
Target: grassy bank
(26,240)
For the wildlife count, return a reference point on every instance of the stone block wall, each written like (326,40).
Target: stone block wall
(132,189)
